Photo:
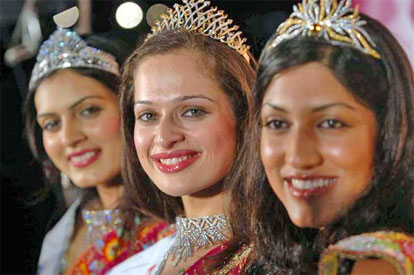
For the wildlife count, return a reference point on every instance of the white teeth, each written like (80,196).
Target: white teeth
(173,161)
(83,157)
(311,184)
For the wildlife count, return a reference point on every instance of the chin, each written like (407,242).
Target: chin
(309,222)
(83,185)
(87,182)
(174,190)
(172,193)
(302,224)
(304,221)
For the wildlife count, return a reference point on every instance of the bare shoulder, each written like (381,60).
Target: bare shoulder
(378,267)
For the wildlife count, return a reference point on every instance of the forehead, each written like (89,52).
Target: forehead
(67,86)
(312,83)
(179,73)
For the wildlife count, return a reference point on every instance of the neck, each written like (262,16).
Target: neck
(206,203)
(109,195)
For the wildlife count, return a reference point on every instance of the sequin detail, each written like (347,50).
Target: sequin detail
(397,248)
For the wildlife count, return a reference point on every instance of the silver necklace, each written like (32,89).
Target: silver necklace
(193,234)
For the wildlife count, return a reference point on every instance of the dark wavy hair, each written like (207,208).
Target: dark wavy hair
(33,132)
(386,86)
(224,64)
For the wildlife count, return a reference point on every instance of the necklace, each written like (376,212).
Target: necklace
(193,234)
(100,222)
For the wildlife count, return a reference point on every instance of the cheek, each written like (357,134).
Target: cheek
(141,141)
(218,136)
(51,145)
(109,126)
(270,151)
(354,153)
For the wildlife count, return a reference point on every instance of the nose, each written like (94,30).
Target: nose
(302,151)
(71,133)
(168,133)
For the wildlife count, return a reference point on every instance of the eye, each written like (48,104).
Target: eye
(194,112)
(276,124)
(147,117)
(90,111)
(51,125)
(332,124)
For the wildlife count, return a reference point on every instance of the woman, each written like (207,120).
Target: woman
(334,117)
(185,98)
(73,127)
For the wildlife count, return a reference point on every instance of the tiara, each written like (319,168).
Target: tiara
(336,23)
(198,16)
(65,49)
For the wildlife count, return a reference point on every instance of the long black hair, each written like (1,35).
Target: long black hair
(386,86)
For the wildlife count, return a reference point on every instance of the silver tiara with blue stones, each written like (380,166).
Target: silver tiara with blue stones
(66,49)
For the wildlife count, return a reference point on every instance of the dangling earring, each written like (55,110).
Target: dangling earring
(65,181)
(70,191)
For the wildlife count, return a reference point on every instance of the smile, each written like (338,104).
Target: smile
(304,188)
(175,161)
(83,158)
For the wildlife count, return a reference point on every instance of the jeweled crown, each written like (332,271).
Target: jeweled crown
(336,23)
(198,16)
(66,49)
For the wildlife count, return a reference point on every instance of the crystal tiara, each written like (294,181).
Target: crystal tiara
(338,24)
(198,16)
(65,49)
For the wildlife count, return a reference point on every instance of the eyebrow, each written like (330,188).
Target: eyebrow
(76,103)
(317,109)
(337,104)
(277,108)
(177,99)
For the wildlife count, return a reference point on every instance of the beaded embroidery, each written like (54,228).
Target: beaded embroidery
(396,248)
(100,222)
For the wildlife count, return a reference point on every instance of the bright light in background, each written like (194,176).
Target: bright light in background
(129,15)
(154,13)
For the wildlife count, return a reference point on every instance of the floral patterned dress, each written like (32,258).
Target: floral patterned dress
(116,246)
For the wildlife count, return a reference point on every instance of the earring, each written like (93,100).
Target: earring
(65,181)
(70,191)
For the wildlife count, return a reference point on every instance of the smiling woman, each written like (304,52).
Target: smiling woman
(325,138)
(185,101)
(81,129)
(73,126)
(184,122)
(332,148)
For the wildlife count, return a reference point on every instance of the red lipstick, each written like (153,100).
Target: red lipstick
(175,161)
(84,157)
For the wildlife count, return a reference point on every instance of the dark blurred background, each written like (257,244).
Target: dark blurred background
(25,219)
(26,23)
